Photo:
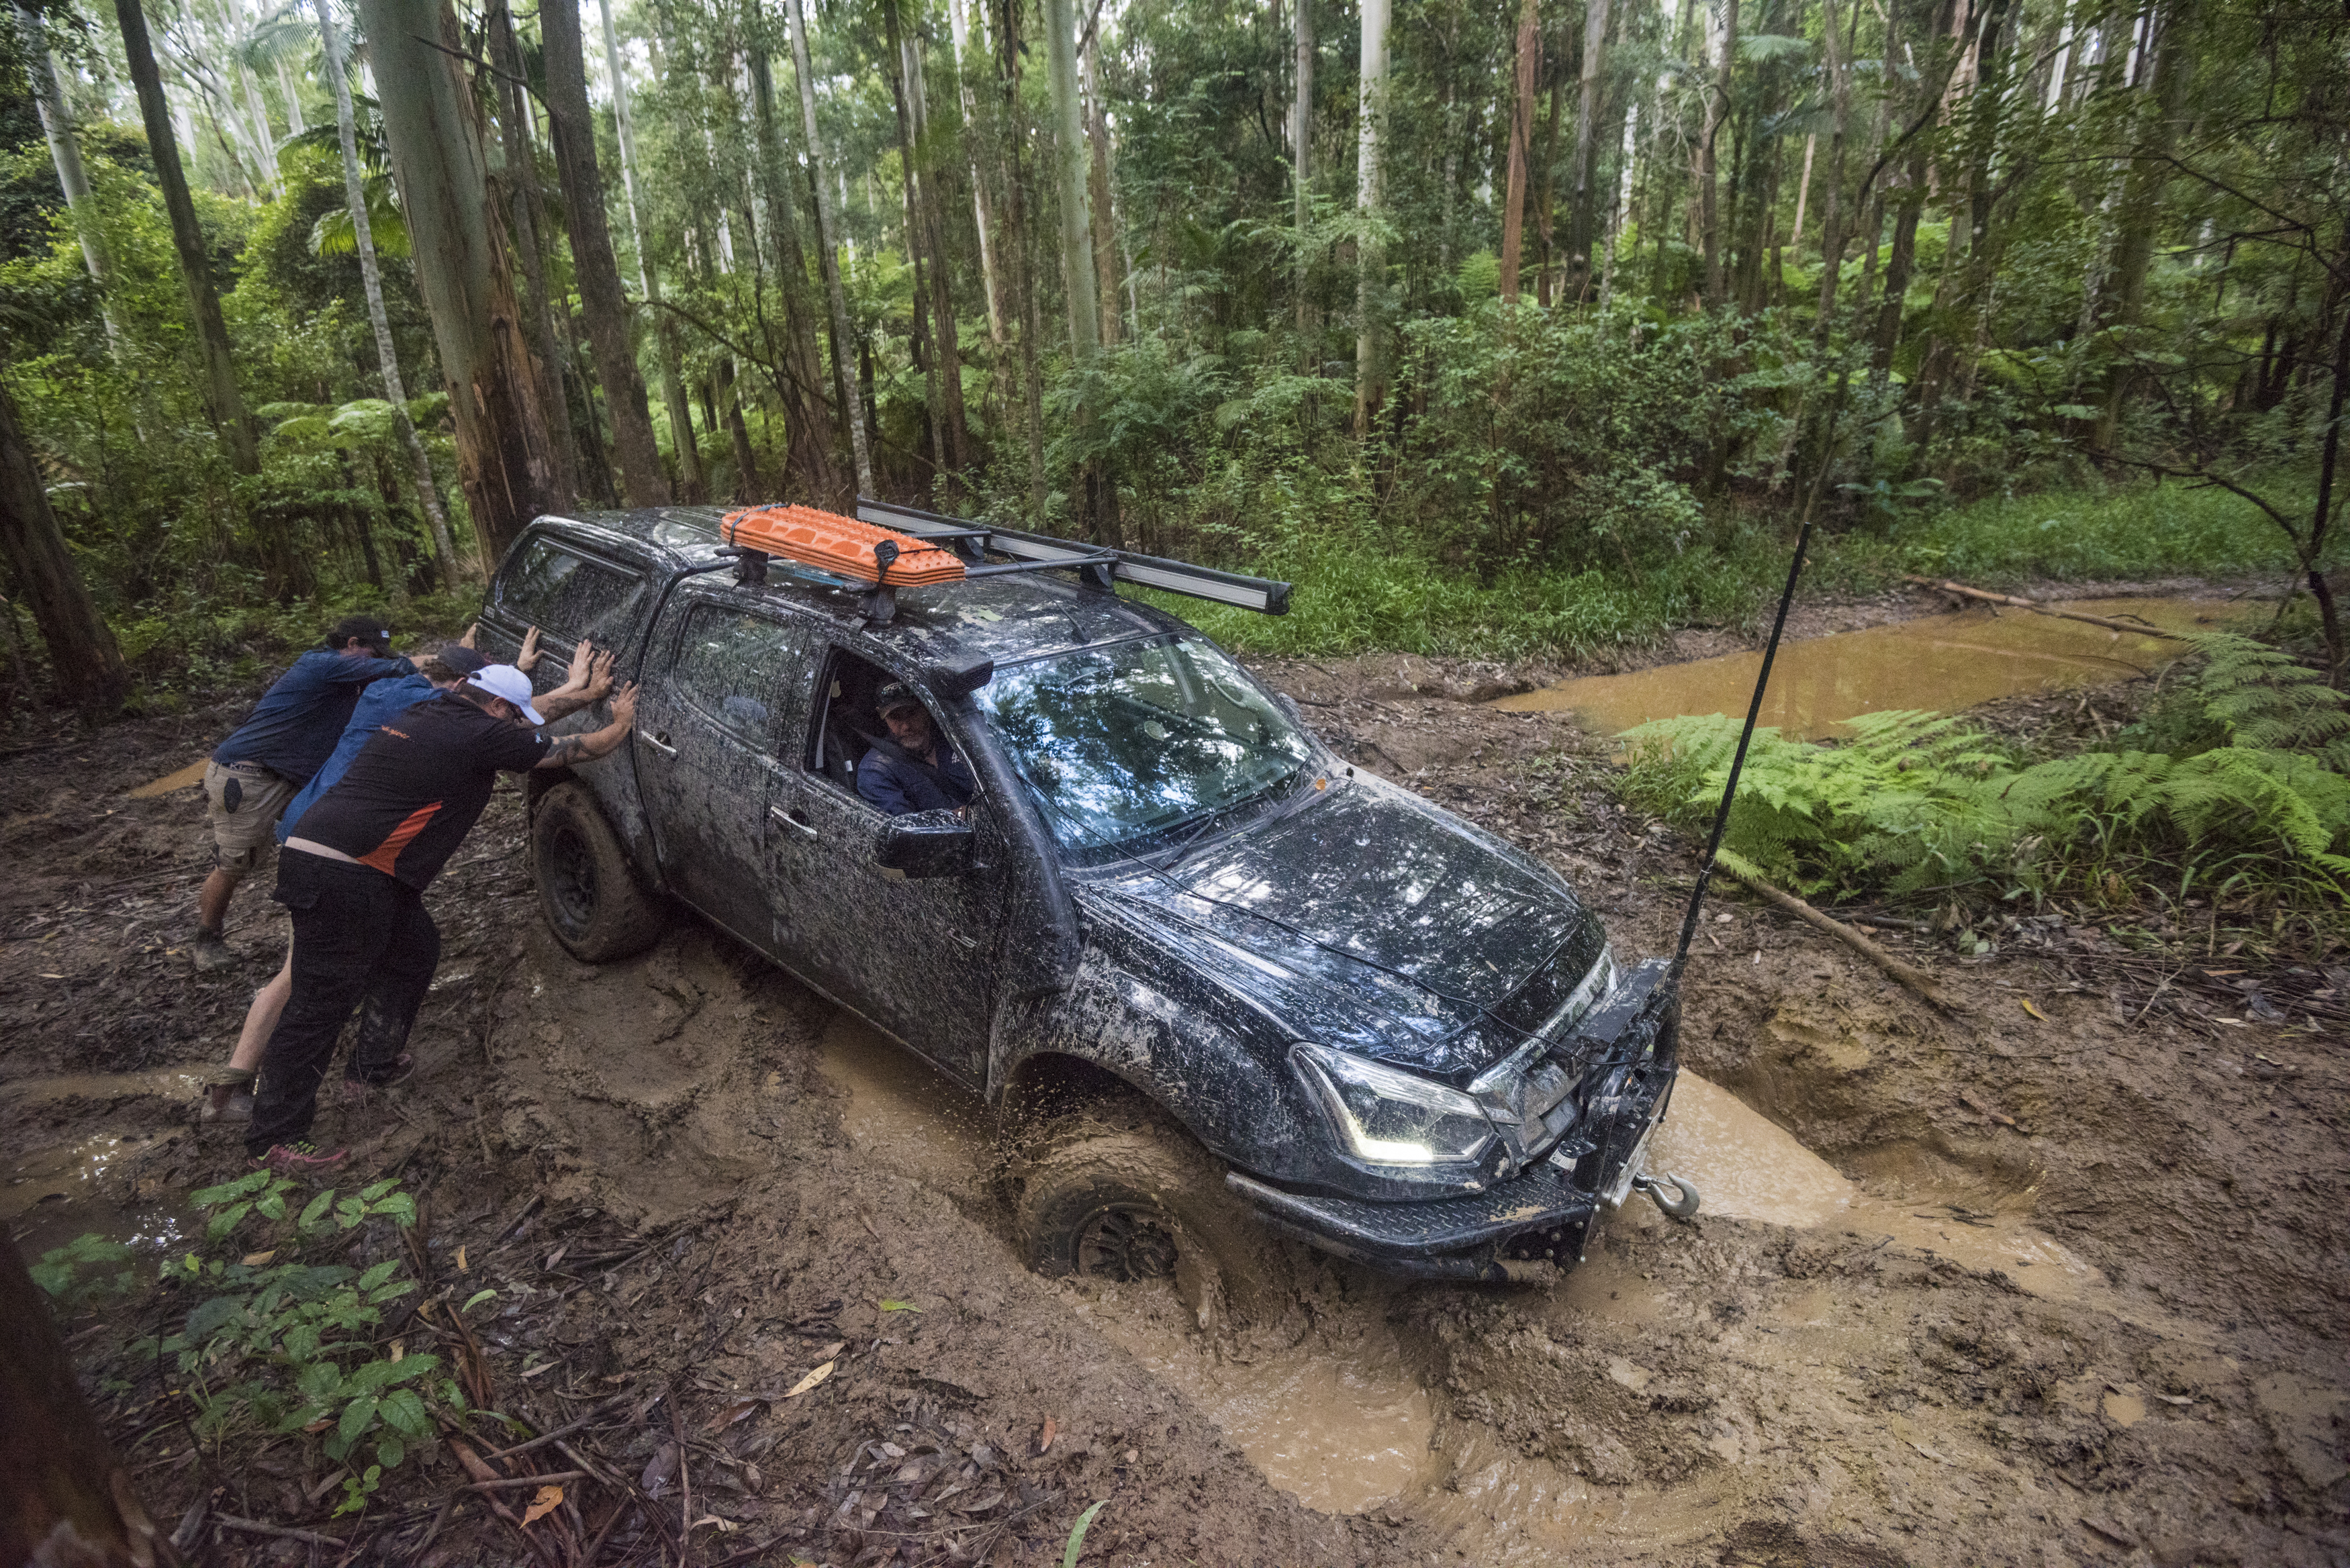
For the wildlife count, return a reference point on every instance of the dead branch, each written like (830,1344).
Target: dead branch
(2036,607)
(1908,974)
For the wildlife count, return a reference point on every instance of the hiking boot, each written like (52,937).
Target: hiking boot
(301,1157)
(233,1106)
(209,952)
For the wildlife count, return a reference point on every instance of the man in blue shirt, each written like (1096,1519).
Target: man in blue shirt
(914,769)
(276,752)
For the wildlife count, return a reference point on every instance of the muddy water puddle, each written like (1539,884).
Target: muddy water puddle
(53,1195)
(1943,662)
(188,777)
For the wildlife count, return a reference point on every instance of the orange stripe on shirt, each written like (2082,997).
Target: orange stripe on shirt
(384,855)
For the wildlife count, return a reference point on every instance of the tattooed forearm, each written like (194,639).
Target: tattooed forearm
(566,749)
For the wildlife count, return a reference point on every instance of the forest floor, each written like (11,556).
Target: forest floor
(2061,1279)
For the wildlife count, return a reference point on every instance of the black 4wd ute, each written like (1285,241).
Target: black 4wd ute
(1387,1032)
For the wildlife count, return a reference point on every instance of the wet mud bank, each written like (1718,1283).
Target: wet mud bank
(2061,1285)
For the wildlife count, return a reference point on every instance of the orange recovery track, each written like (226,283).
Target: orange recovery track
(841,545)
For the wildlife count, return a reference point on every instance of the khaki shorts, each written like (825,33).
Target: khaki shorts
(243,801)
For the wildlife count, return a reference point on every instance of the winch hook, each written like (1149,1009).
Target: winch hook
(1682,1205)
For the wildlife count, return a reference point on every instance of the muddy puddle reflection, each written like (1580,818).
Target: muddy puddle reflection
(51,1195)
(1944,662)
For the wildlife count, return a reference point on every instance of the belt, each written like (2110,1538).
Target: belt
(312,846)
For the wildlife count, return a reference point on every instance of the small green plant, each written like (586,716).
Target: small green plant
(1077,1536)
(289,1345)
(58,1273)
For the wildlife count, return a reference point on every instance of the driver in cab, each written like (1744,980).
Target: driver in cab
(915,769)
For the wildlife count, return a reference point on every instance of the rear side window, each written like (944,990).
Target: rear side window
(569,594)
(735,668)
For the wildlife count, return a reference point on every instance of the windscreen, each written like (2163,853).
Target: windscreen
(1130,746)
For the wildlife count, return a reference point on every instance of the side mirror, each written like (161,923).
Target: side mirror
(924,844)
(955,681)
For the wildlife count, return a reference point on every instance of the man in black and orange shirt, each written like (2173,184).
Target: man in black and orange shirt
(355,870)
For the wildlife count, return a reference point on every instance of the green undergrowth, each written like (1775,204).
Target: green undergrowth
(2252,804)
(1365,596)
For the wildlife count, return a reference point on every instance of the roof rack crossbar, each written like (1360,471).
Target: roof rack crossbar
(1042,551)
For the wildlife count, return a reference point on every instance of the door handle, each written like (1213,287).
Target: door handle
(789,820)
(658,742)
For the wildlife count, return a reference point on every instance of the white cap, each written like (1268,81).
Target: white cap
(504,680)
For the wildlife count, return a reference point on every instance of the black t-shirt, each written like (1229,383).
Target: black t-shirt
(416,790)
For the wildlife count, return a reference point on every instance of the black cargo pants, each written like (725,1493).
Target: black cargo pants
(358,935)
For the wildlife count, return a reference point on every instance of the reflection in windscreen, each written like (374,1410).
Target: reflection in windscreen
(1132,741)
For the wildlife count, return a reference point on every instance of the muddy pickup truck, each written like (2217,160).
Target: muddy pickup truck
(1218,982)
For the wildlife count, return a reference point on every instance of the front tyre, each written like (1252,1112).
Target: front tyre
(591,897)
(1140,1203)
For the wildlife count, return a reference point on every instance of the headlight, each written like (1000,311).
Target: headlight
(1392,1118)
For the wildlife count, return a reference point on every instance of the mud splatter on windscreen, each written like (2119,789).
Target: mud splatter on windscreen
(566,594)
(1130,744)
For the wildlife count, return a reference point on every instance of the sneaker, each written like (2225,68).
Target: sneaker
(235,1108)
(209,952)
(301,1157)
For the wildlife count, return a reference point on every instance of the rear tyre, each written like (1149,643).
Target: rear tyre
(589,895)
(1140,1203)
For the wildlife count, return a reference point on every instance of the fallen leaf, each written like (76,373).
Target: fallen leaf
(829,1351)
(731,1414)
(255,1260)
(810,1381)
(981,1504)
(888,1305)
(2035,1012)
(546,1367)
(556,1256)
(547,1499)
(725,1526)
(53,977)
(2178,1399)
(461,1260)
(316,1427)
(1045,1438)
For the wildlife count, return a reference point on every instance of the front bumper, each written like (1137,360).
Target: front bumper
(1544,1215)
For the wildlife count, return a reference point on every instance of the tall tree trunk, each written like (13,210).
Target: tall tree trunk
(523,201)
(65,1497)
(457,238)
(680,419)
(65,154)
(1097,186)
(1580,223)
(828,255)
(946,337)
(82,652)
(2141,204)
(601,300)
(1522,125)
(746,462)
(221,400)
(1371,379)
(1832,219)
(808,413)
(958,19)
(386,358)
(899,68)
(1301,144)
(1717,113)
(1069,168)
(1024,253)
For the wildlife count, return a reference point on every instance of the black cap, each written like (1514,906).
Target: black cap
(896,695)
(459,660)
(366,628)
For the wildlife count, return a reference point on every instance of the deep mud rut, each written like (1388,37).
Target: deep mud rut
(2011,1288)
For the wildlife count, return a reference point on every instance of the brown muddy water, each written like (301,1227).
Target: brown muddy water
(188,777)
(49,1196)
(1943,663)
(1344,1419)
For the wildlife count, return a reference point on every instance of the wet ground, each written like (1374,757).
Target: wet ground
(2056,1284)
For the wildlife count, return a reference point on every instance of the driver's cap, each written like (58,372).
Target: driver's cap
(893,696)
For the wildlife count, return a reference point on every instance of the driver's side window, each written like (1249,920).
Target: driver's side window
(849,727)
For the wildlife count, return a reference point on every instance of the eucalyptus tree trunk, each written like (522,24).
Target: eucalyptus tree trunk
(601,300)
(958,20)
(82,651)
(2141,202)
(808,412)
(920,251)
(286,90)
(522,202)
(1024,254)
(681,419)
(948,341)
(1832,236)
(1717,114)
(1370,381)
(1583,209)
(224,403)
(387,357)
(1522,121)
(1301,152)
(458,240)
(65,1497)
(1097,504)
(65,152)
(1097,185)
(829,257)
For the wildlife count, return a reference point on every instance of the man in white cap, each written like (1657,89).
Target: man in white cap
(355,870)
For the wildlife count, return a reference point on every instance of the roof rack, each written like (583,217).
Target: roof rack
(1097,565)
